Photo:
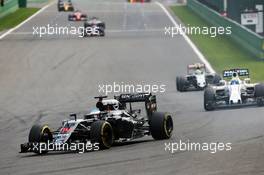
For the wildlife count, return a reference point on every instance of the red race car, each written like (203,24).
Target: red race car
(77,16)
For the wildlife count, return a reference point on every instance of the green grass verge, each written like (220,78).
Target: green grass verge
(15,18)
(221,51)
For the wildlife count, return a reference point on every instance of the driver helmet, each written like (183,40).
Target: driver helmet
(198,72)
(116,106)
(234,82)
(94,111)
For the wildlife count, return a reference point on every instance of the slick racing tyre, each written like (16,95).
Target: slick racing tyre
(102,133)
(60,9)
(161,125)
(101,25)
(102,33)
(40,134)
(177,84)
(217,78)
(180,83)
(259,94)
(209,99)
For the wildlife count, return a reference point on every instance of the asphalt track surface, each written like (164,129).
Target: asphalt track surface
(45,79)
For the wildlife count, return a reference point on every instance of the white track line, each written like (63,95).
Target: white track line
(28,19)
(125,16)
(187,39)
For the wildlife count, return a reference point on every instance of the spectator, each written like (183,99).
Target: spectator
(2,3)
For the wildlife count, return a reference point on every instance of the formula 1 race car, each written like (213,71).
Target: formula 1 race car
(111,122)
(65,6)
(132,1)
(77,16)
(197,78)
(94,27)
(235,92)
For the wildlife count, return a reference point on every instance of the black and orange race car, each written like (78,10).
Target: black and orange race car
(65,6)
(132,1)
(112,121)
(77,16)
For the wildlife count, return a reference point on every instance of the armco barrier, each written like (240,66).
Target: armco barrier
(36,1)
(9,7)
(217,5)
(243,36)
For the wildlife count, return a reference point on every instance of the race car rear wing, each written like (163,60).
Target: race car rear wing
(139,97)
(195,66)
(240,73)
(148,98)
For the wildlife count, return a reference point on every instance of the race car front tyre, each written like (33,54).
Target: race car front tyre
(259,94)
(40,134)
(102,33)
(209,99)
(102,133)
(161,125)
(180,83)
(60,9)
(102,25)
(260,101)
(177,83)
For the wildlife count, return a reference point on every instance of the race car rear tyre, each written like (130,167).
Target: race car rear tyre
(40,134)
(217,78)
(180,83)
(259,90)
(259,94)
(84,33)
(102,133)
(161,125)
(209,99)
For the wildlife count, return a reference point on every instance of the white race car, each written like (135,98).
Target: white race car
(94,27)
(197,78)
(235,92)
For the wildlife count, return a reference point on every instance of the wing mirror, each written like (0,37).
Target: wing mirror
(73,116)
(222,82)
(247,80)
